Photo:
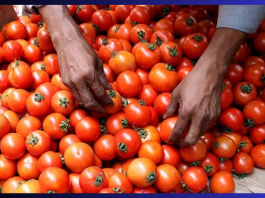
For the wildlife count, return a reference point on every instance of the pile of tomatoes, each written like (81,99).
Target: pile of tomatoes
(49,144)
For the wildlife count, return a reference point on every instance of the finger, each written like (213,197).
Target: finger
(77,96)
(173,106)
(102,77)
(179,128)
(88,100)
(99,91)
(25,9)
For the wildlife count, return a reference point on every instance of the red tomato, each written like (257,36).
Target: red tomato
(75,186)
(199,13)
(47,90)
(257,134)
(165,24)
(224,147)
(104,147)
(152,150)
(161,36)
(13,146)
(117,102)
(140,14)
(210,164)
(208,139)
(39,77)
(12,184)
(161,103)
(259,42)
(30,186)
(243,163)
(171,53)
(123,11)
(244,93)
(51,64)
(49,159)
(120,182)
(54,180)
(102,19)
(45,41)
(8,168)
(226,165)
(171,156)
(241,54)
(140,33)
(110,75)
(127,143)
(38,105)
(84,12)
(185,24)
(235,73)
(254,113)
(116,122)
(76,116)
(257,154)
(255,75)
(245,145)
(236,137)
(67,141)
(27,167)
(226,96)
(12,118)
(4,126)
(16,30)
(222,182)
(232,119)
(195,179)
(154,117)
(4,83)
(32,53)
(253,60)
(126,45)
(183,72)
(148,94)
(12,50)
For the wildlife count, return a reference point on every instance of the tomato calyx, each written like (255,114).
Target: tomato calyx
(38,97)
(221,159)
(64,125)
(197,38)
(103,129)
(42,67)
(122,147)
(1,188)
(238,175)
(116,29)
(216,145)
(242,144)
(16,64)
(95,26)
(33,140)
(159,41)
(50,192)
(124,123)
(189,21)
(36,42)
(246,88)
(107,8)
(142,133)
(117,190)
(105,41)
(170,68)
(141,35)
(79,8)
(62,159)
(196,163)
(249,123)
(173,52)
(151,177)
(262,78)
(134,23)
(142,102)
(208,168)
(166,11)
(124,102)
(151,46)
(98,180)
(63,102)
(41,23)
(226,129)
(223,86)
(114,54)
(112,94)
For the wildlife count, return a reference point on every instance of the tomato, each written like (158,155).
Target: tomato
(117,102)
(129,84)
(243,163)
(13,146)
(27,167)
(54,180)
(183,72)
(16,30)
(2,38)
(39,77)
(75,186)
(12,184)
(109,190)
(154,117)
(222,182)
(76,116)
(12,118)
(194,45)
(208,139)
(63,102)
(51,64)
(140,33)
(4,83)
(254,113)
(37,101)
(67,141)
(47,90)
(171,53)
(166,129)
(224,147)
(102,19)
(149,189)
(30,186)
(193,153)
(245,145)
(17,100)
(199,14)
(185,24)
(126,45)
(257,134)
(12,50)
(123,11)
(140,14)
(255,75)
(172,16)
(236,137)
(88,129)
(88,29)
(39,65)
(104,147)
(241,54)
(127,143)
(56,125)
(84,12)
(244,93)
(161,36)
(235,73)
(56,79)
(148,94)
(257,154)
(28,124)
(120,182)
(137,114)
(161,103)
(165,24)
(7,167)
(100,41)
(49,159)
(126,165)
(152,150)
(4,126)
(110,75)
(163,77)
(110,48)
(211,33)
(253,60)
(116,122)
(32,53)
(45,42)
(210,164)
(259,42)
(171,156)
(122,61)
(142,172)
(232,119)
(226,165)
(108,172)
(195,179)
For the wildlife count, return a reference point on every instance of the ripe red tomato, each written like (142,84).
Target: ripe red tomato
(32,30)
(161,36)
(140,14)
(137,114)
(4,83)
(47,90)
(13,146)
(224,147)
(16,30)
(27,167)
(38,105)
(195,179)
(2,38)
(168,178)
(88,129)
(49,159)
(12,184)
(84,12)
(117,102)
(226,165)
(243,163)
(222,182)
(257,134)
(165,24)
(253,60)
(4,126)
(123,11)
(259,42)
(226,96)
(185,24)
(171,156)
(54,180)
(67,141)
(245,145)
(12,118)
(232,119)
(12,50)
(235,73)
(193,153)
(7,167)
(56,125)
(75,186)
(183,72)
(116,122)
(148,94)
(140,33)
(254,112)
(143,74)
(236,137)
(39,77)
(257,154)
(255,75)
(152,150)
(171,53)
(51,64)
(199,13)
(102,19)
(244,93)
(76,116)
(45,42)
(104,147)
(121,182)
(127,143)
(161,103)
(210,164)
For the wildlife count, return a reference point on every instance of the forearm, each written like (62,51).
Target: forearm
(7,14)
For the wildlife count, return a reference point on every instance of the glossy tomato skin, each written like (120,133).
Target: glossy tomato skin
(152,150)
(222,182)
(38,105)
(226,96)
(45,42)
(254,75)
(161,103)
(127,143)
(4,83)
(257,154)
(148,94)
(26,125)
(84,12)
(140,14)
(161,36)
(104,147)
(75,186)
(140,33)
(244,93)
(39,77)
(116,122)
(165,24)
(54,179)
(224,147)
(8,168)
(226,165)
(31,186)
(149,189)
(235,73)
(4,126)
(16,30)
(149,132)
(49,159)
(17,100)
(208,139)
(12,118)
(210,164)
(171,156)
(185,24)
(259,42)
(102,19)
(232,118)
(243,163)
(195,179)
(254,112)
(121,181)
(117,102)
(27,167)
(67,141)
(47,89)
(257,134)
(11,184)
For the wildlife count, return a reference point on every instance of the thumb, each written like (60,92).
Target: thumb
(101,75)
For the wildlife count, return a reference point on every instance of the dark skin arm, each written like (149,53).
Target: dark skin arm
(197,97)
(7,14)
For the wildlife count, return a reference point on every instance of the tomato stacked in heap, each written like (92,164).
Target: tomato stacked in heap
(49,144)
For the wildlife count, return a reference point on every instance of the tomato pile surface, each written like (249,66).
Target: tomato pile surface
(49,144)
